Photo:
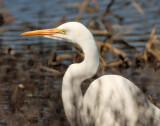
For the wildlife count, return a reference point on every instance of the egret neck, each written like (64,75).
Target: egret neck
(71,87)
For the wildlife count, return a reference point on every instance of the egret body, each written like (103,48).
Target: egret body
(110,100)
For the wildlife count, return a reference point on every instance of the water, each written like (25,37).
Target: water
(42,14)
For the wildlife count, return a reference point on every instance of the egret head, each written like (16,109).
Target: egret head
(71,32)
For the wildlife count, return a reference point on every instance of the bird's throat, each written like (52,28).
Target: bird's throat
(75,74)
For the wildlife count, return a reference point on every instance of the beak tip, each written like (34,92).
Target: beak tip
(25,34)
(22,34)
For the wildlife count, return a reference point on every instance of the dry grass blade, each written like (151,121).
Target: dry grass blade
(153,32)
(156,54)
(64,56)
(117,51)
(118,34)
(100,32)
(102,61)
(84,7)
(79,53)
(152,50)
(106,12)
(123,55)
(153,39)
(61,20)
(118,26)
(138,8)
(123,42)
(96,3)
(114,63)
(55,72)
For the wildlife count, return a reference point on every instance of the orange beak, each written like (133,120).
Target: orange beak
(43,32)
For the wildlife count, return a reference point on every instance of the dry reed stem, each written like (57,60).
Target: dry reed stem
(151,49)
(106,12)
(83,8)
(114,50)
(117,35)
(114,63)
(152,44)
(79,53)
(135,4)
(55,72)
(100,32)
(118,26)
(64,56)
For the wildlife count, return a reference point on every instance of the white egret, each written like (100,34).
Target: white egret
(110,100)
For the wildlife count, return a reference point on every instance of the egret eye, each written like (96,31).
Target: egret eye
(62,31)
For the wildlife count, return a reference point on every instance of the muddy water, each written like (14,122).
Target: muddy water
(39,101)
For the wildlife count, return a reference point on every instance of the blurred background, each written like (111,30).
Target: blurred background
(31,68)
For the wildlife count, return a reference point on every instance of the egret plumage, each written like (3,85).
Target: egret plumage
(110,100)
